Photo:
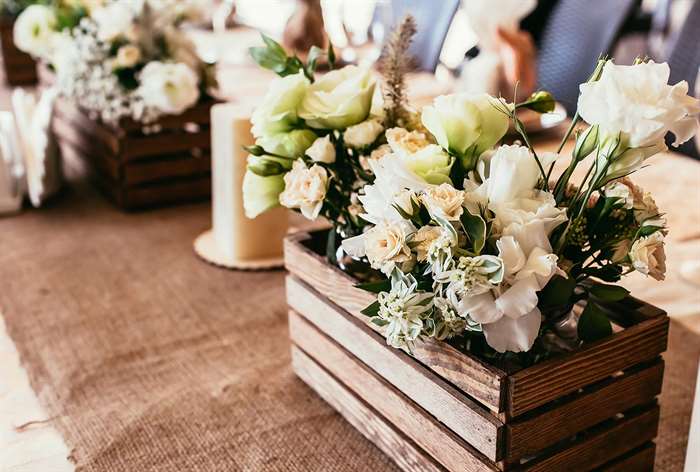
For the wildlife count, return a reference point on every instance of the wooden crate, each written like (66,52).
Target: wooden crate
(442,409)
(137,170)
(19,67)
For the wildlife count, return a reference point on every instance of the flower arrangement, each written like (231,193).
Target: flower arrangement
(119,59)
(474,242)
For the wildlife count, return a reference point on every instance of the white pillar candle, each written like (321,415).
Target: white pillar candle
(242,241)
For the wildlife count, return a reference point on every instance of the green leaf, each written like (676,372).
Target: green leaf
(475,227)
(255,150)
(265,167)
(647,231)
(609,293)
(375,287)
(314,54)
(331,56)
(558,292)
(273,45)
(371,310)
(379,322)
(268,59)
(593,324)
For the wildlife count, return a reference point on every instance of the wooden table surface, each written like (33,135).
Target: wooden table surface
(27,444)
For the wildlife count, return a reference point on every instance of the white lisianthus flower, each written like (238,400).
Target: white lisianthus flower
(305,188)
(637,102)
(444,200)
(127,56)
(34,29)
(170,88)
(622,192)
(648,256)
(322,150)
(277,113)
(363,134)
(114,20)
(513,173)
(261,193)
(466,124)
(510,317)
(385,245)
(339,99)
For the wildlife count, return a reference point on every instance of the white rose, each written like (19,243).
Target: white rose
(466,124)
(648,256)
(169,88)
(622,192)
(128,56)
(363,134)
(638,102)
(34,29)
(277,113)
(322,150)
(444,200)
(114,20)
(339,99)
(385,245)
(305,188)
(423,239)
(261,193)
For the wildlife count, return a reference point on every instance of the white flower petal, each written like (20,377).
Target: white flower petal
(512,335)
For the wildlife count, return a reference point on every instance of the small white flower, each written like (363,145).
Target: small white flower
(473,276)
(322,150)
(402,310)
(114,20)
(363,134)
(169,88)
(648,256)
(305,188)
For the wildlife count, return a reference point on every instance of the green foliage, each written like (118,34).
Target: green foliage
(557,293)
(475,227)
(375,287)
(272,56)
(608,293)
(593,324)
(372,310)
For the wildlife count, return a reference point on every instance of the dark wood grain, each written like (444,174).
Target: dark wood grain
(19,67)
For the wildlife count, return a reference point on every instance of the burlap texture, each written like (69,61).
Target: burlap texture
(151,360)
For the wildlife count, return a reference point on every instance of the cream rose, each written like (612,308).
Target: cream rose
(170,88)
(404,142)
(322,150)
(638,102)
(34,29)
(305,188)
(648,256)
(466,124)
(363,134)
(423,239)
(385,245)
(127,56)
(339,99)
(444,200)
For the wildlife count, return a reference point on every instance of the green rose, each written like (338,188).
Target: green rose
(430,163)
(261,193)
(278,111)
(339,99)
(466,124)
(291,144)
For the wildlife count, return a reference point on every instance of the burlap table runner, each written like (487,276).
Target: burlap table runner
(149,359)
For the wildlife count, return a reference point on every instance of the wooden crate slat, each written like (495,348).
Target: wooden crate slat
(609,443)
(166,142)
(532,387)
(155,170)
(19,67)
(175,191)
(362,417)
(430,435)
(197,114)
(473,377)
(638,460)
(466,418)
(536,432)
